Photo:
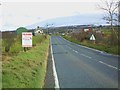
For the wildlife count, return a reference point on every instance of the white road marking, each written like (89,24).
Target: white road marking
(54,70)
(86,56)
(75,51)
(109,65)
(102,52)
(96,51)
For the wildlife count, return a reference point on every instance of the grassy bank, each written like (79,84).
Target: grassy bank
(27,69)
(105,48)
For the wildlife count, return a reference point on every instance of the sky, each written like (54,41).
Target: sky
(26,13)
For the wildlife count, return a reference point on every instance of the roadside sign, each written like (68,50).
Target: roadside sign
(86,30)
(92,37)
(26,39)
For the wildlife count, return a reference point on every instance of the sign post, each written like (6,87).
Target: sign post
(92,38)
(26,39)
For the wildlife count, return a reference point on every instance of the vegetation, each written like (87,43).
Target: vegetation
(111,16)
(11,39)
(25,69)
(111,9)
(105,40)
(20,30)
(8,40)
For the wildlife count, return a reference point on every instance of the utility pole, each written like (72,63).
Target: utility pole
(47,28)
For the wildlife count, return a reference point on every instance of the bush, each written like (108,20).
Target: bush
(12,43)
(38,39)
(8,40)
(102,47)
(16,48)
(20,30)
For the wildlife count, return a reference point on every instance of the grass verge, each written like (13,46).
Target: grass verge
(109,49)
(27,69)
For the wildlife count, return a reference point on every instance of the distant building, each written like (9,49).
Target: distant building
(38,30)
(98,31)
(89,29)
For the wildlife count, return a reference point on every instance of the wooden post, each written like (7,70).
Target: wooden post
(24,49)
(94,42)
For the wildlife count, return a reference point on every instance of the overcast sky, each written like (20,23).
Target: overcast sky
(16,14)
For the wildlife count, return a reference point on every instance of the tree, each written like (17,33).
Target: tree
(111,9)
(19,34)
(119,22)
(20,30)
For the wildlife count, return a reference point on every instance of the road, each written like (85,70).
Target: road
(81,67)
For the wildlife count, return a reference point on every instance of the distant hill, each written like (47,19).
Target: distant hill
(71,20)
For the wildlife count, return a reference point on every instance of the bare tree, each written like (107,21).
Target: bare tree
(111,9)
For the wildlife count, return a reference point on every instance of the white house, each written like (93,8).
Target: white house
(39,31)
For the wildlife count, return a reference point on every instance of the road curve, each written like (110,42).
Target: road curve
(80,67)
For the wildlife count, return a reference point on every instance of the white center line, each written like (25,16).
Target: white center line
(109,65)
(86,56)
(76,51)
(73,50)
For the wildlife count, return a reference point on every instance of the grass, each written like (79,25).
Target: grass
(27,69)
(105,48)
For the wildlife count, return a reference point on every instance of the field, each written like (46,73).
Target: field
(22,69)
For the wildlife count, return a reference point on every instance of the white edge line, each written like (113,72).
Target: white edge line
(54,70)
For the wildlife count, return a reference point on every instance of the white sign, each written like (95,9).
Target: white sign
(92,37)
(26,39)
(86,30)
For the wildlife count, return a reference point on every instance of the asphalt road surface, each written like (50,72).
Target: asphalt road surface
(81,67)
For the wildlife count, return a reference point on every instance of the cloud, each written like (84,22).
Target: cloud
(19,14)
(1,19)
(51,0)
(80,19)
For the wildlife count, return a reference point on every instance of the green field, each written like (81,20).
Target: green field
(26,69)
